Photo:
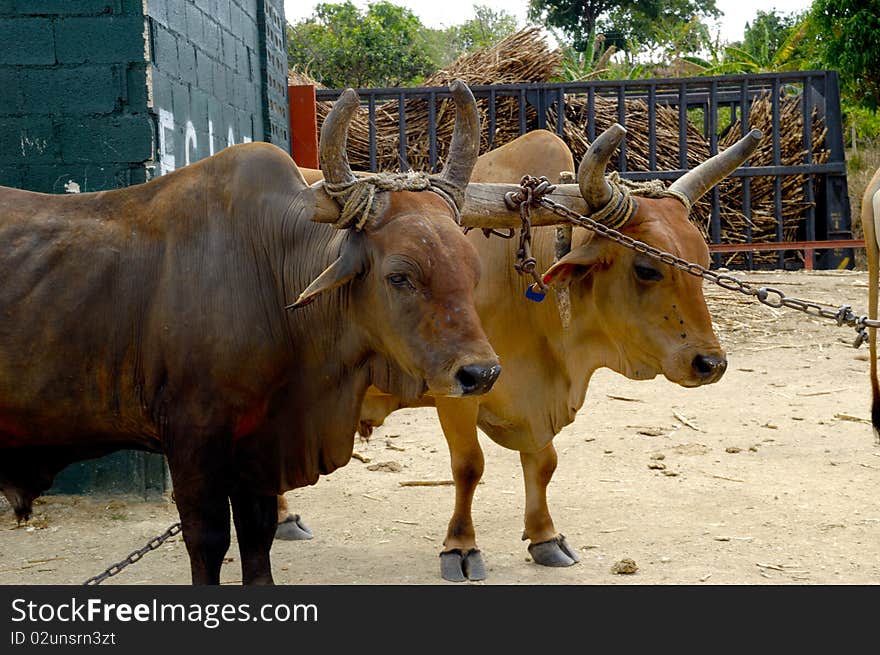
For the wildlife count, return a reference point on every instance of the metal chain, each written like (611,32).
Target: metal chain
(769,296)
(530,190)
(152,544)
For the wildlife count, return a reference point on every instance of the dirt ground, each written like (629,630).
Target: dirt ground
(771,477)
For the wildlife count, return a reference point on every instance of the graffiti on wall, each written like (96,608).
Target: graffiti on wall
(167,156)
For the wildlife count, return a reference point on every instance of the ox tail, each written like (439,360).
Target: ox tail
(870,221)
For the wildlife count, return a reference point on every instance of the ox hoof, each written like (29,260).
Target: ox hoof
(292,529)
(457,565)
(554,552)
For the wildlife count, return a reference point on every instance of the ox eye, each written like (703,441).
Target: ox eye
(648,273)
(400,280)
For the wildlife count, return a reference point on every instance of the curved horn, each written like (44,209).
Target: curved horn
(591,173)
(334,133)
(465,146)
(696,182)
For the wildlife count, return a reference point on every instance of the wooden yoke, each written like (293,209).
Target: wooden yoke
(484,206)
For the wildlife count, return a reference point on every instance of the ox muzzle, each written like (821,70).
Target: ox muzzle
(709,368)
(477,379)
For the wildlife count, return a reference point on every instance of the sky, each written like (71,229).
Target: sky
(442,13)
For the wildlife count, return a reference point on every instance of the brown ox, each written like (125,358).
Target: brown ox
(153,318)
(871,228)
(629,312)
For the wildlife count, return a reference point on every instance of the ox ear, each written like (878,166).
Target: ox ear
(349,264)
(575,265)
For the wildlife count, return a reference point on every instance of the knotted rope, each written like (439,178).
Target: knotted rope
(357,197)
(620,208)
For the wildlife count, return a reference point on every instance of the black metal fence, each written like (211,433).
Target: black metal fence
(719,102)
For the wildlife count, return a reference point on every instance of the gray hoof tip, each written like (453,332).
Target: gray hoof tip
(457,565)
(554,552)
(293,529)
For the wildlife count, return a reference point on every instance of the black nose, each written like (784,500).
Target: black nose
(477,379)
(709,368)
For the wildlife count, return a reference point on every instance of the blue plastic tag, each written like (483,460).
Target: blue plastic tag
(533,293)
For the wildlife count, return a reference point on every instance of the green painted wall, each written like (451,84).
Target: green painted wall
(101,94)
(73,75)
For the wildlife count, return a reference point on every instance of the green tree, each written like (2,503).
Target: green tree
(484,30)
(342,46)
(771,43)
(849,41)
(674,24)
(575,18)
(766,32)
(624,22)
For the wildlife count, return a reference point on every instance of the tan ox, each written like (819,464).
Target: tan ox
(629,312)
(871,227)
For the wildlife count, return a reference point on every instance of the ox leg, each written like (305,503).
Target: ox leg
(547,547)
(255,519)
(290,526)
(460,559)
(203,505)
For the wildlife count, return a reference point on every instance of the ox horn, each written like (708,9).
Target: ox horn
(696,182)
(465,146)
(334,133)
(591,173)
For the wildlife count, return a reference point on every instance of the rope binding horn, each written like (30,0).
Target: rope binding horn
(615,213)
(357,196)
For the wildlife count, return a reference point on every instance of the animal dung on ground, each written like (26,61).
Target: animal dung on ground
(626,566)
(388,467)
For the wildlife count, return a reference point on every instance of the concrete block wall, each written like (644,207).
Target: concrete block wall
(73,88)
(208,85)
(273,69)
(98,94)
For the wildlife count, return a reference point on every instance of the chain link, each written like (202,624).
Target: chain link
(769,296)
(530,190)
(152,544)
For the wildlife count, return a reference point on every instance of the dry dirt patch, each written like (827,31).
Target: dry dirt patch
(769,477)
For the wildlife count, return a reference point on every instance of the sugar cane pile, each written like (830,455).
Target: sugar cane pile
(525,57)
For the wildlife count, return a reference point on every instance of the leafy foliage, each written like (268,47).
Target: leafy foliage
(484,30)
(626,24)
(767,32)
(342,46)
(386,45)
(849,41)
(648,24)
(575,18)
(772,43)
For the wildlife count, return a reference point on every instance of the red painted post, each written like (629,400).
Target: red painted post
(303,125)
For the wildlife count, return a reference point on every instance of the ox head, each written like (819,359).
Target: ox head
(654,315)
(409,272)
